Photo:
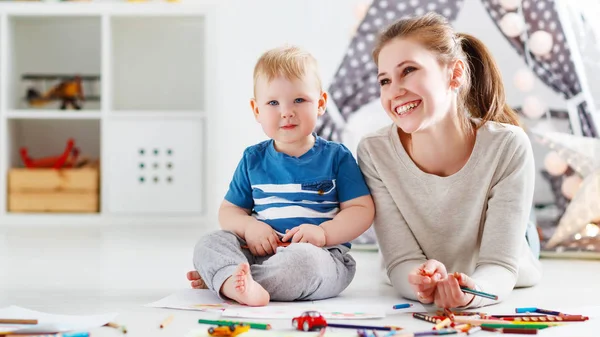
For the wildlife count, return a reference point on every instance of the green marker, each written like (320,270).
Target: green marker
(261,326)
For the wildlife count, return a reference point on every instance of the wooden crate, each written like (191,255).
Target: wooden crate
(49,190)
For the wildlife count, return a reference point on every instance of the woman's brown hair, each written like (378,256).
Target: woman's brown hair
(482,93)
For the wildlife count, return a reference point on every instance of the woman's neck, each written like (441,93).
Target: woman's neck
(442,149)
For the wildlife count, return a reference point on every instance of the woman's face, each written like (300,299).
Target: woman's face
(415,86)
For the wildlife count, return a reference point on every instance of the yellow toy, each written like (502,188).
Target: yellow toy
(228,330)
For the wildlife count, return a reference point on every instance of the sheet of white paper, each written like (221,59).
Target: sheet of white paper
(48,323)
(283,311)
(191,299)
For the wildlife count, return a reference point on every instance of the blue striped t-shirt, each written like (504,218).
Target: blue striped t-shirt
(285,191)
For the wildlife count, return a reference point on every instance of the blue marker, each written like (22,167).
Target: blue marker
(403,306)
(524,310)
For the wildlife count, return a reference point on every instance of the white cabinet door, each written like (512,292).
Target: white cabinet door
(154,166)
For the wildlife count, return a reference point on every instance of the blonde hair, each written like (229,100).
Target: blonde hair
(482,93)
(291,62)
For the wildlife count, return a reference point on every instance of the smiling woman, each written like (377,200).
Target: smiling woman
(455,144)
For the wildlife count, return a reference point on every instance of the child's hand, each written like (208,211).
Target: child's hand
(261,239)
(306,233)
(425,278)
(448,293)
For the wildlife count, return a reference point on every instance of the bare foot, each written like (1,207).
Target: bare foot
(196,280)
(242,288)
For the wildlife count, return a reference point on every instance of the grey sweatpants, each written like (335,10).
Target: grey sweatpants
(300,271)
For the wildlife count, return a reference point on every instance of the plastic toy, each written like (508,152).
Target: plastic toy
(228,330)
(69,90)
(309,320)
(66,159)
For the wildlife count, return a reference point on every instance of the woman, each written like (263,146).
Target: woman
(453,177)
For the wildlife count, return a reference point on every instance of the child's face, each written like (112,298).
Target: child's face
(288,109)
(415,87)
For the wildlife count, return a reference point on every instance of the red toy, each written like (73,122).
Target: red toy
(309,320)
(67,159)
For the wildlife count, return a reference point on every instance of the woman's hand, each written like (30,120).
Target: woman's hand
(448,293)
(425,279)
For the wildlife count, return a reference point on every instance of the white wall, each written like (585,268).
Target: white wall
(247,28)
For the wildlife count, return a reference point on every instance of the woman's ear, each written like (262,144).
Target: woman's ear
(458,73)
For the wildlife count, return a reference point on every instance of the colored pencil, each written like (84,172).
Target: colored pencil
(402,306)
(512,330)
(548,312)
(166,322)
(560,314)
(475,321)
(18,321)
(364,327)
(261,326)
(443,324)
(545,319)
(474,330)
(425,317)
(479,293)
(516,316)
(429,333)
(515,326)
(63,334)
(116,326)
(524,310)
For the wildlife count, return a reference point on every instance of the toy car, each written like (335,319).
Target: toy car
(228,330)
(309,320)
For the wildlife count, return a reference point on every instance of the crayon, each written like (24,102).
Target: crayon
(402,306)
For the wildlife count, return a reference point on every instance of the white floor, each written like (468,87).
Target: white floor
(97,270)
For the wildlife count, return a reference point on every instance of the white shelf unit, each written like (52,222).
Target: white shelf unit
(148,127)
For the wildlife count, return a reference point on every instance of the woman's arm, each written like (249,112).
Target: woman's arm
(508,208)
(401,252)
(354,218)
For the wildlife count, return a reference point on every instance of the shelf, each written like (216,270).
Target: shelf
(52,50)
(48,137)
(161,8)
(158,63)
(146,114)
(53,114)
(147,71)
(26,220)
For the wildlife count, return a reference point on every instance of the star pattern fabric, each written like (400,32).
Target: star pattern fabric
(583,209)
(355,82)
(557,69)
(582,154)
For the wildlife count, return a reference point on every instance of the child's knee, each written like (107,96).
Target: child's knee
(216,238)
(305,260)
